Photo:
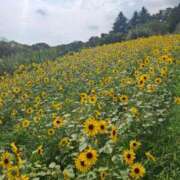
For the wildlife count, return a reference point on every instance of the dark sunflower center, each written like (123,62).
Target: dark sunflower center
(6,161)
(141,82)
(58,122)
(114,132)
(134,144)
(136,170)
(102,127)
(91,127)
(89,155)
(128,156)
(82,163)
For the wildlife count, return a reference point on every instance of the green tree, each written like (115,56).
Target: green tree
(120,25)
(144,16)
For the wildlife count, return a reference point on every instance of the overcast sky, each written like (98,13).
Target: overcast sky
(64,21)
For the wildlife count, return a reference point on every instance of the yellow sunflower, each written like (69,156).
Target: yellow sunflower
(103,175)
(158,80)
(58,122)
(92,99)
(13,173)
(81,164)
(150,156)
(129,156)
(91,127)
(90,155)
(134,145)
(6,160)
(25,123)
(51,132)
(40,150)
(113,134)
(137,171)
(124,99)
(102,126)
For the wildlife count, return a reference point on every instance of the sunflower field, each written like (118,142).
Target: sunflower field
(96,114)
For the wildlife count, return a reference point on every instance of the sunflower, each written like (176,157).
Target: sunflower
(29,110)
(177,100)
(134,145)
(91,127)
(6,160)
(124,99)
(14,148)
(90,155)
(137,171)
(103,175)
(58,122)
(81,164)
(113,134)
(84,98)
(150,156)
(158,80)
(92,99)
(144,77)
(13,173)
(151,88)
(102,126)
(24,177)
(16,90)
(40,150)
(51,132)
(134,111)
(141,83)
(129,156)
(64,142)
(25,123)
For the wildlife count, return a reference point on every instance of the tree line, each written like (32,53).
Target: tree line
(142,24)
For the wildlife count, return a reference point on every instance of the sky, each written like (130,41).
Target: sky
(64,21)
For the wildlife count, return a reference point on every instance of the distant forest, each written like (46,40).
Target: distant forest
(142,24)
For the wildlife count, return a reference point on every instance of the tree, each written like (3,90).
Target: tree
(174,18)
(144,16)
(120,25)
(134,21)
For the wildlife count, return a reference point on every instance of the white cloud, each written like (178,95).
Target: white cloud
(63,21)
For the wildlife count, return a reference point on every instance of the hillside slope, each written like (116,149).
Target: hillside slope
(106,112)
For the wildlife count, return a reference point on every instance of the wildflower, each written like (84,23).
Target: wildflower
(25,123)
(150,88)
(134,145)
(92,99)
(29,110)
(91,127)
(58,122)
(177,100)
(114,134)
(124,99)
(150,156)
(134,111)
(81,164)
(13,173)
(64,142)
(14,148)
(51,132)
(102,126)
(6,160)
(129,156)
(158,80)
(90,155)
(103,175)
(40,150)
(137,171)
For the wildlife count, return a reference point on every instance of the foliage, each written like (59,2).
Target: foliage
(92,114)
